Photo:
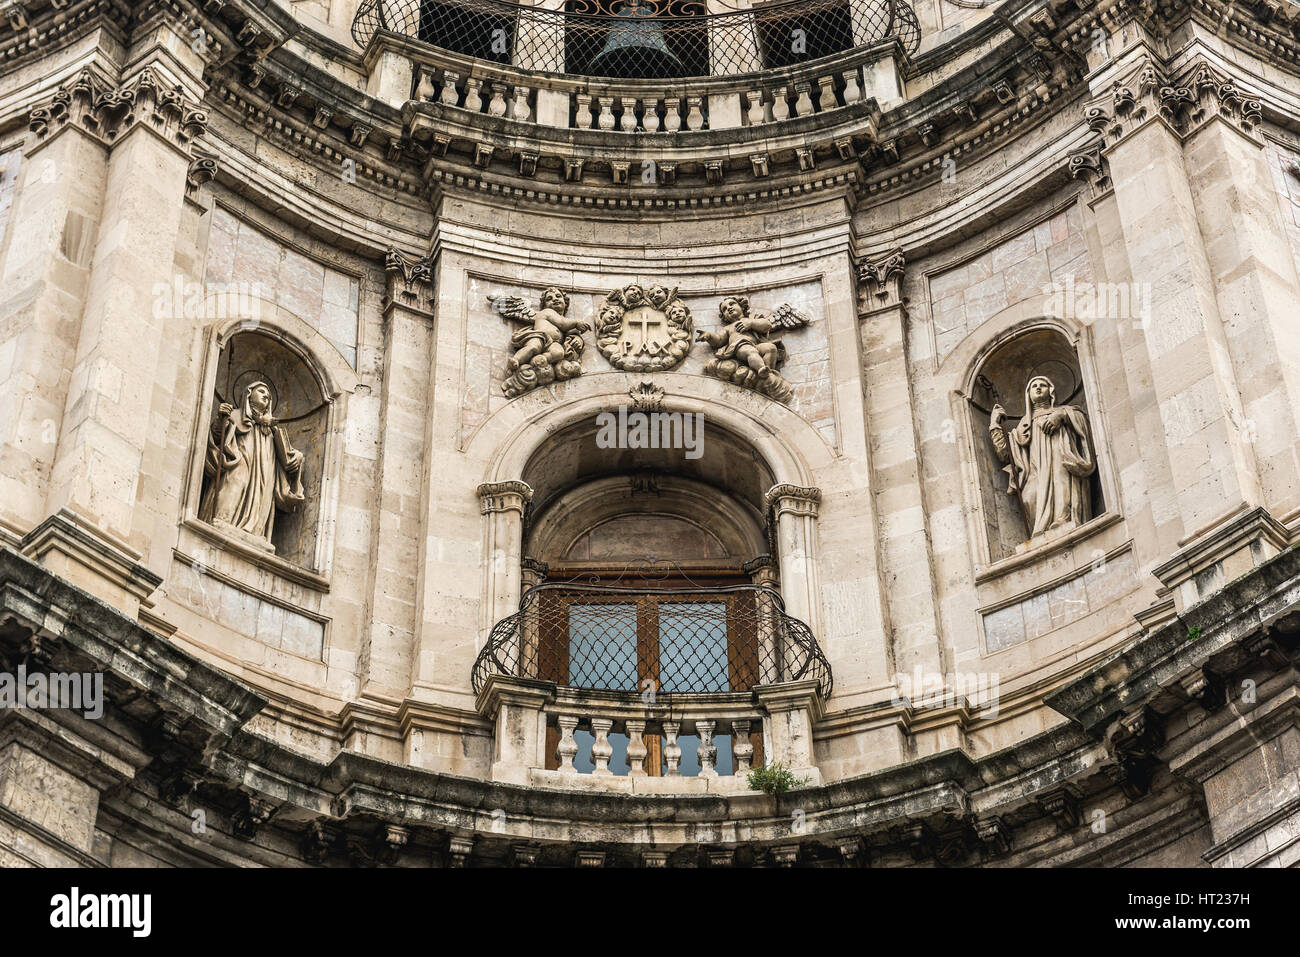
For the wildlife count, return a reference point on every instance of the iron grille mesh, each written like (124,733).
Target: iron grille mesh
(666,641)
(642,38)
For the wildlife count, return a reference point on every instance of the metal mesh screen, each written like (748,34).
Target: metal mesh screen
(642,38)
(670,641)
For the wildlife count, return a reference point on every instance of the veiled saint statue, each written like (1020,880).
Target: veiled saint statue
(1048,457)
(251,468)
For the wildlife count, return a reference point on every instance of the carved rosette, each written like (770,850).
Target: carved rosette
(644,330)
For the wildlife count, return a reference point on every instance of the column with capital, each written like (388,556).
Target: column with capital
(503,505)
(895,459)
(794,514)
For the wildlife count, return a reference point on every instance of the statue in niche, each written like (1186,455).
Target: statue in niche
(1049,459)
(251,468)
(549,348)
(744,354)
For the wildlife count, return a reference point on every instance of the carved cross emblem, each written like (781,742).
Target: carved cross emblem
(641,330)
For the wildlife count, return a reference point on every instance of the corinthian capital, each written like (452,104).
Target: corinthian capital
(882,279)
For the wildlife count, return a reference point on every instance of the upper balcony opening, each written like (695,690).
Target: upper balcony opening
(645,39)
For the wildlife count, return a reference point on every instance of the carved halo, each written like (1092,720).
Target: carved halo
(641,329)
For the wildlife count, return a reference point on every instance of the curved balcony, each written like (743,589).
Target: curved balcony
(642,39)
(653,643)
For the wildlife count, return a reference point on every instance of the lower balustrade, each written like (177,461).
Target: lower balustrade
(657,741)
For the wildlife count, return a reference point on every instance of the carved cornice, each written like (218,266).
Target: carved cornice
(511,496)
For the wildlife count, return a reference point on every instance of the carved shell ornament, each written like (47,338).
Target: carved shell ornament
(644,330)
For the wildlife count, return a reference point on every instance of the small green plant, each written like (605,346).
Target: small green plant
(774,779)
(1193,633)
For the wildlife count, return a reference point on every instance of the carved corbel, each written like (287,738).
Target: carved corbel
(528,162)
(882,279)
(1206,688)
(1133,745)
(15,12)
(459,850)
(321,837)
(713,172)
(994,834)
(358,134)
(251,815)
(1062,805)
(761,164)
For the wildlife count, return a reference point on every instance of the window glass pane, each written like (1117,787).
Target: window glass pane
(602,646)
(693,647)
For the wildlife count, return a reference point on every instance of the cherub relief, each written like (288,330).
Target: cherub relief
(549,348)
(743,353)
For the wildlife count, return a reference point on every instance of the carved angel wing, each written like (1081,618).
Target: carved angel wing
(787,316)
(514,308)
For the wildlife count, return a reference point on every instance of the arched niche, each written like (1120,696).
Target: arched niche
(1000,377)
(627,518)
(300,408)
(594,505)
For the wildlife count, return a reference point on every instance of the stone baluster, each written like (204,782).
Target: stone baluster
(694,118)
(497,105)
(780,104)
(803,104)
(827,99)
(672,115)
(755,114)
(601,749)
(606,119)
(473,101)
(627,122)
(742,751)
(567,749)
(852,90)
(582,116)
(425,89)
(672,750)
(650,114)
(708,752)
(520,110)
(450,95)
(636,749)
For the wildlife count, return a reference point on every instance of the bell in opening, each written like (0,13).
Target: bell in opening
(636,48)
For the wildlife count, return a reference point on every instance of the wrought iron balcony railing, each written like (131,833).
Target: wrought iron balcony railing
(653,642)
(650,39)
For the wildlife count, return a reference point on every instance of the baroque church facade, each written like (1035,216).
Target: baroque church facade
(649,433)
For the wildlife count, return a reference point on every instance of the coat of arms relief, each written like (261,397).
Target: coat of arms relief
(644,330)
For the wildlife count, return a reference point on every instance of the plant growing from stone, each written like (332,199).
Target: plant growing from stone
(774,779)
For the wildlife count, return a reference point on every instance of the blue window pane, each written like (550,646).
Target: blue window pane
(693,647)
(602,647)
